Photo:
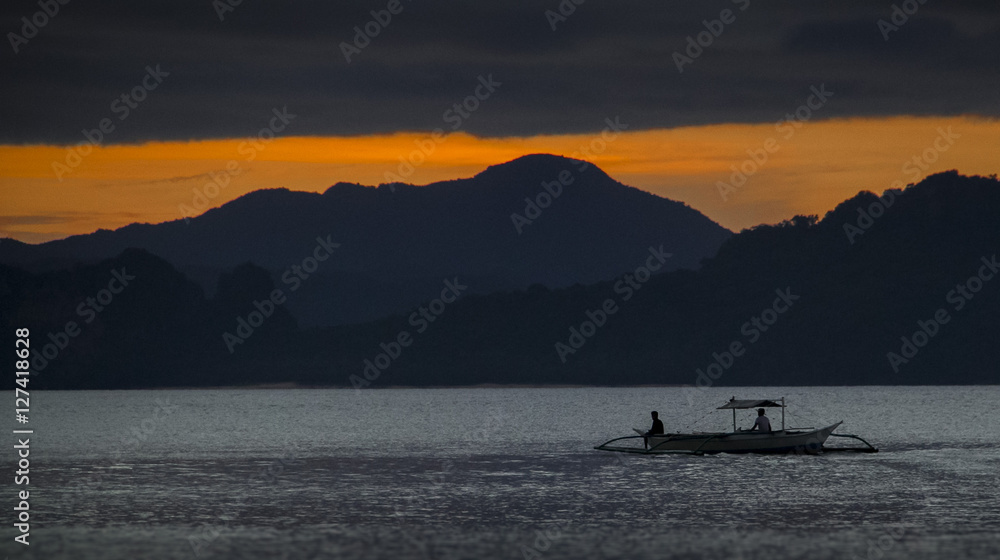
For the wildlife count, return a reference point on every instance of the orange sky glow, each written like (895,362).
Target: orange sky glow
(808,171)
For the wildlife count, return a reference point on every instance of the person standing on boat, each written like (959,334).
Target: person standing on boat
(656,429)
(762,422)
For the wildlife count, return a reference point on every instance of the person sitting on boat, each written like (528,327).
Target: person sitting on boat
(656,429)
(762,422)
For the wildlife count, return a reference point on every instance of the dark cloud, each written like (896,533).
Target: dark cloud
(837,38)
(606,59)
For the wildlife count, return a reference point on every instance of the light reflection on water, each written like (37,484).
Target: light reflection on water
(503,473)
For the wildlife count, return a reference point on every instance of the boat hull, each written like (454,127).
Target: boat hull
(742,442)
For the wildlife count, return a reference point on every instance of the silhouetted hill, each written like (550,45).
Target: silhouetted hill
(804,302)
(849,305)
(398,242)
(134,321)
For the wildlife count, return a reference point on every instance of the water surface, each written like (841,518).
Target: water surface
(502,473)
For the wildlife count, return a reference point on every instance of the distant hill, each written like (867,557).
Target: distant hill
(398,242)
(804,302)
(134,321)
(846,307)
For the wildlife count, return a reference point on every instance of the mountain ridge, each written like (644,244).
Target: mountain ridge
(794,303)
(397,242)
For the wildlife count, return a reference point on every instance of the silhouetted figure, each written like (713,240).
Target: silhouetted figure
(656,429)
(762,422)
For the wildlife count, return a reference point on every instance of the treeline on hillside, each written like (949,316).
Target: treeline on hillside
(911,299)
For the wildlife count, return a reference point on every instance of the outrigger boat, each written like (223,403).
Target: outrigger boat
(795,440)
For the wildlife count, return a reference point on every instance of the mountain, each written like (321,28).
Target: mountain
(396,243)
(912,299)
(898,289)
(135,321)
(902,288)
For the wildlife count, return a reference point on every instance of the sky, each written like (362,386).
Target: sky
(121,112)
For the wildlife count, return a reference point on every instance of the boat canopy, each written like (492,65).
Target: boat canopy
(734,403)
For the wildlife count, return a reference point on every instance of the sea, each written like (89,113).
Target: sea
(512,473)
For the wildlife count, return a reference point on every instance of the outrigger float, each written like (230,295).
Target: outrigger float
(793,440)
